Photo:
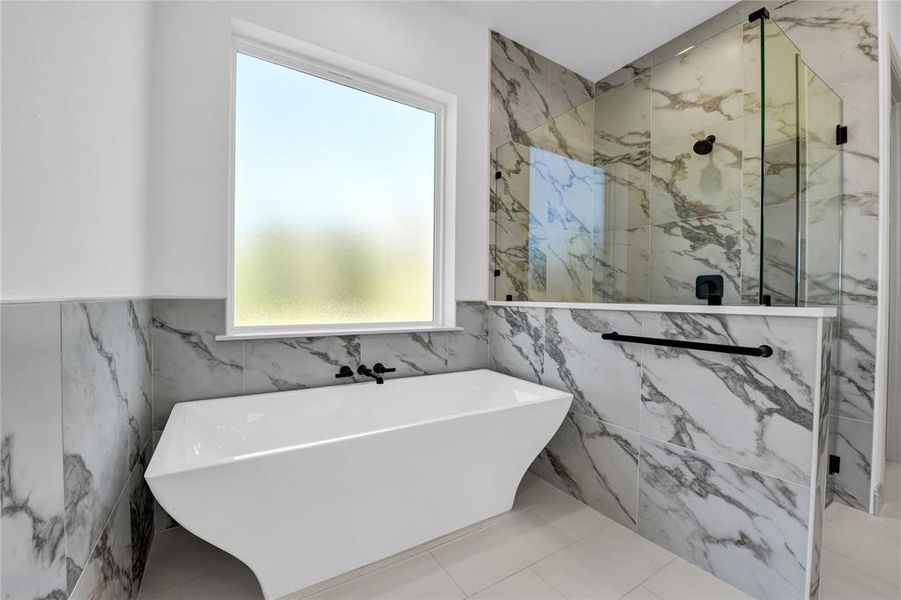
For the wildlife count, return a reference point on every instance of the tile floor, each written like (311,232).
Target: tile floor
(862,554)
(549,546)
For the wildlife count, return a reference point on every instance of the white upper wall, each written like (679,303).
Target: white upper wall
(74,149)
(189,153)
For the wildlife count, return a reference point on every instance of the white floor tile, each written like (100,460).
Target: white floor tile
(891,504)
(641,593)
(237,585)
(844,578)
(177,556)
(681,580)
(605,565)
(163,594)
(525,585)
(871,540)
(560,510)
(417,578)
(493,553)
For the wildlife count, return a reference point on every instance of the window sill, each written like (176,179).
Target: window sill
(330,333)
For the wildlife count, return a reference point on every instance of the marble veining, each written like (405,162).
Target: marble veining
(296,363)
(853,441)
(597,463)
(468,349)
(856,363)
(517,341)
(411,354)
(744,527)
(602,376)
(105,379)
(31,486)
(685,393)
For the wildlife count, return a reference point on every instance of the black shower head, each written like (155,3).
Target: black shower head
(704,146)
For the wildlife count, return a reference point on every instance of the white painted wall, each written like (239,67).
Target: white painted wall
(188,167)
(74,149)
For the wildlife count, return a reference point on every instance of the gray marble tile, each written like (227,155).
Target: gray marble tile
(570,264)
(621,265)
(711,28)
(769,401)
(566,89)
(860,112)
(468,349)
(685,185)
(31,482)
(596,463)
(697,89)
(519,88)
(410,353)
(107,574)
(140,506)
(824,397)
(746,528)
(564,193)
(625,74)
(856,363)
(188,364)
(570,134)
(682,250)
(853,441)
(622,120)
(860,248)
(516,337)
(603,376)
(296,363)
(838,38)
(820,275)
(625,201)
(816,539)
(161,519)
(103,378)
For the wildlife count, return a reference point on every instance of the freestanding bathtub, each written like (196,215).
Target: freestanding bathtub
(306,485)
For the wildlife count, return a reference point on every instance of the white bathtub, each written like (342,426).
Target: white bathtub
(305,485)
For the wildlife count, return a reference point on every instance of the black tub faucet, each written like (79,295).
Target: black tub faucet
(367,372)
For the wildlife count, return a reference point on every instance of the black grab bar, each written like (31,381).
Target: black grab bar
(764,350)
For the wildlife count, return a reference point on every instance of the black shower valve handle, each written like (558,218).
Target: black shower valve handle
(380,368)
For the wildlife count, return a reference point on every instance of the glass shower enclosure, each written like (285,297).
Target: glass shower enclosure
(721,160)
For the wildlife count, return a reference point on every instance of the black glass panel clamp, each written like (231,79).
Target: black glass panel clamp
(763,351)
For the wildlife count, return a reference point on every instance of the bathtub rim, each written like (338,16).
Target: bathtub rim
(154,471)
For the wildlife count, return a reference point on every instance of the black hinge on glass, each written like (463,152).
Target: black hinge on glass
(835,464)
(759,14)
(497,272)
(497,175)
(509,298)
(841,134)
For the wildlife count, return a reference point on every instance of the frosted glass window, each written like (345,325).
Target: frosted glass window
(334,202)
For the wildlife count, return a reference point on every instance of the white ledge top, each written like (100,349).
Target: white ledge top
(262,335)
(811,312)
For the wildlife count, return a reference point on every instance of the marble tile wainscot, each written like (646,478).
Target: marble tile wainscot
(77,515)
(719,458)
(190,364)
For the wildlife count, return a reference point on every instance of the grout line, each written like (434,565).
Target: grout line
(449,576)
(652,575)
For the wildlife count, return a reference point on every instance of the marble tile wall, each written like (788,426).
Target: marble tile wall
(669,214)
(647,441)
(189,364)
(77,518)
(838,40)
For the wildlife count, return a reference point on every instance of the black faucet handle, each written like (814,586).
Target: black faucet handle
(344,371)
(380,368)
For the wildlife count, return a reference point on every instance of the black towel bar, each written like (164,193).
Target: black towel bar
(763,351)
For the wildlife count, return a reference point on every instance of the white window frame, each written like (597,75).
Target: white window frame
(283,50)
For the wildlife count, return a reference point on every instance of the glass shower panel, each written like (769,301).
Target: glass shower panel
(695,192)
(779,217)
(820,112)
